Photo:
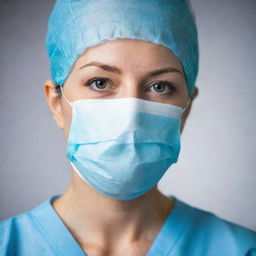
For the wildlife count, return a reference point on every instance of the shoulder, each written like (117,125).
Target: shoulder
(15,224)
(221,227)
(19,231)
(12,230)
(215,232)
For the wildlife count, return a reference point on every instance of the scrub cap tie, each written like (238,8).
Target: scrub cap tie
(75,25)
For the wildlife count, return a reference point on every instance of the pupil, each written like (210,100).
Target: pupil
(100,84)
(157,87)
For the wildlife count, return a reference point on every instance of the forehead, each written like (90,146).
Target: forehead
(125,52)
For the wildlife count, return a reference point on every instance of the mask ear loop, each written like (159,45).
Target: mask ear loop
(65,96)
(184,109)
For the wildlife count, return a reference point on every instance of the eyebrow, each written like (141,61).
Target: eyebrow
(116,70)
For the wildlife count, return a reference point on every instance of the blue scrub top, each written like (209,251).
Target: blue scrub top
(187,231)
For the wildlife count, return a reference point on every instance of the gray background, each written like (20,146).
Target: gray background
(216,167)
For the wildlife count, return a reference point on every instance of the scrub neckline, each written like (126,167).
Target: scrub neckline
(58,235)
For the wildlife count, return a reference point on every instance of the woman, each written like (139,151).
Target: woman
(123,82)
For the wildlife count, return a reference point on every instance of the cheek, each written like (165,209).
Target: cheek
(67,117)
(182,123)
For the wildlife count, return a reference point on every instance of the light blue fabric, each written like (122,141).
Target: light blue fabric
(122,147)
(75,25)
(187,231)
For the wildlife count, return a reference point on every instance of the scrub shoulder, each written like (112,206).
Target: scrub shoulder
(22,235)
(208,234)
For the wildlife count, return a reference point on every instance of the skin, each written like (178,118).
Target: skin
(103,226)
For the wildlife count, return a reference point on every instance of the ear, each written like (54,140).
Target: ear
(187,111)
(54,101)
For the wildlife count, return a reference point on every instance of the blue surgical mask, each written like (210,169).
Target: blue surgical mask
(122,147)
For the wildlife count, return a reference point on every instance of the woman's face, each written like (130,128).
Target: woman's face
(117,69)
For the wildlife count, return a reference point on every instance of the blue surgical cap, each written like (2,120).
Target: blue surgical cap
(75,25)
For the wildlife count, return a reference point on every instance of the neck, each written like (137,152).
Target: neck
(88,214)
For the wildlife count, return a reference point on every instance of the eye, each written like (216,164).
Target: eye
(100,84)
(163,87)
(97,84)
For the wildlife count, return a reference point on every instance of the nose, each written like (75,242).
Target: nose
(131,89)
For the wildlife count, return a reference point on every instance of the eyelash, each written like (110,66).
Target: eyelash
(89,83)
